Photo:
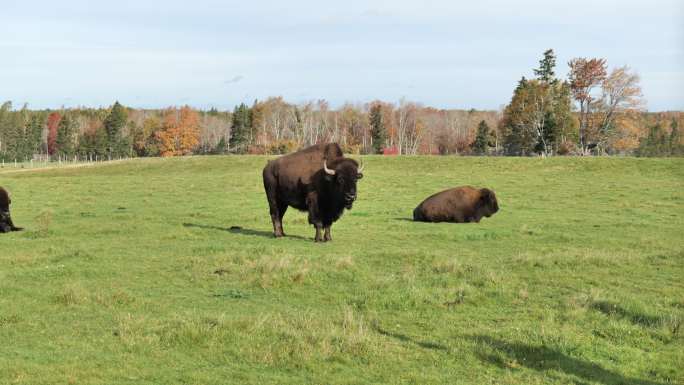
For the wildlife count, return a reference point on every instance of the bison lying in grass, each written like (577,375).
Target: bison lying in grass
(6,224)
(459,205)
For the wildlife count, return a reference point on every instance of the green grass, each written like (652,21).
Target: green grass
(128,274)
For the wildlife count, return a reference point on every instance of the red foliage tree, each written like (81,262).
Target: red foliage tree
(52,125)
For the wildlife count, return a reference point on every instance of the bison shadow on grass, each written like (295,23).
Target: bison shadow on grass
(546,359)
(237,230)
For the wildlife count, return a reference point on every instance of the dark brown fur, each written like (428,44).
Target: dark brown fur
(298,180)
(6,224)
(459,205)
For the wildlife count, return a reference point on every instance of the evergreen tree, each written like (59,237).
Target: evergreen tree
(35,127)
(545,71)
(113,125)
(518,134)
(482,139)
(539,117)
(239,131)
(94,144)
(655,144)
(377,127)
(65,136)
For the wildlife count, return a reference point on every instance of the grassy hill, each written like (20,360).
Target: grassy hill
(129,273)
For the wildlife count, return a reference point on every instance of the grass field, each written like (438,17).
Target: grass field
(128,273)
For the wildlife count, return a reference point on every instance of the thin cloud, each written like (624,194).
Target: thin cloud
(234,80)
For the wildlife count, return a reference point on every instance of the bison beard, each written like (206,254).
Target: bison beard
(6,224)
(459,205)
(317,179)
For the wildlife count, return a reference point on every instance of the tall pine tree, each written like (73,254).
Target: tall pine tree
(65,136)
(239,130)
(481,143)
(545,71)
(113,125)
(377,127)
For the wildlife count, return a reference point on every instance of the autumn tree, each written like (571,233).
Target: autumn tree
(409,127)
(674,141)
(377,128)
(146,143)
(585,75)
(620,93)
(52,126)
(180,132)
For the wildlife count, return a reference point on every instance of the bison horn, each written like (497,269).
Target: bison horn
(360,168)
(327,170)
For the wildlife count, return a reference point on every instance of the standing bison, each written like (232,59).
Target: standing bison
(6,224)
(317,179)
(460,205)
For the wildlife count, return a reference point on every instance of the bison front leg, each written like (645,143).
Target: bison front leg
(327,237)
(314,215)
(319,237)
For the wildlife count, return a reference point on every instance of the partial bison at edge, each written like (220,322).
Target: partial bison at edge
(6,224)
(317,179)
(459,205)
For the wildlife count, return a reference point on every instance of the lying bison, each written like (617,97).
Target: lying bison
(460,205)
(317,179)
(6,224)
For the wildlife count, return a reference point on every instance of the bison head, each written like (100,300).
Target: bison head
(342,174)
(5,201)
(488,204)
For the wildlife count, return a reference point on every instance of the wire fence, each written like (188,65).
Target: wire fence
(45,161)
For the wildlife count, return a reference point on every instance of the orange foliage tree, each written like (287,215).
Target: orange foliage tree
(180,132)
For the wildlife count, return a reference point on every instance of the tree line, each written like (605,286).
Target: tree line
(592,111)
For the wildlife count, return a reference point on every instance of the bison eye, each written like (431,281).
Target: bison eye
(340,180)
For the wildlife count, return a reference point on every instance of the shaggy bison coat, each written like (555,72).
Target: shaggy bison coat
(460,205)
(317,179)
(6,224)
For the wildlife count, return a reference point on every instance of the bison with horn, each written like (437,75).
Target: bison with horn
(317,179)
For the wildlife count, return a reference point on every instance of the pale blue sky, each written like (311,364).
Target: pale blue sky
(445,54)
